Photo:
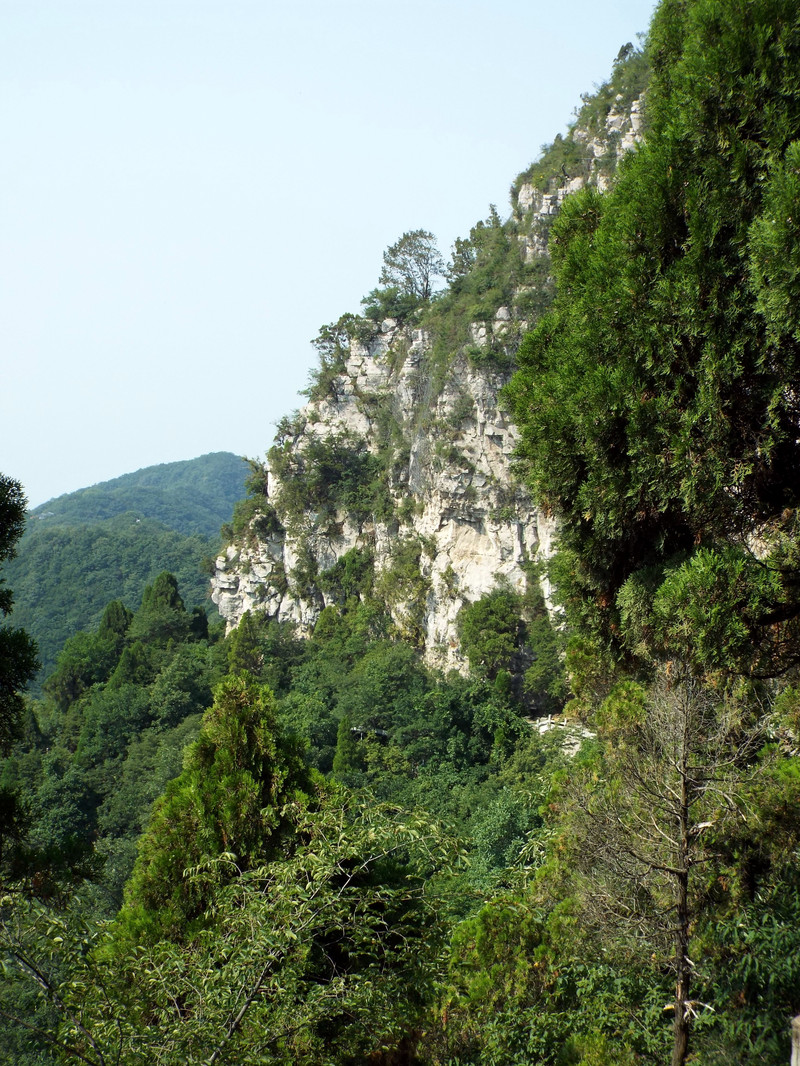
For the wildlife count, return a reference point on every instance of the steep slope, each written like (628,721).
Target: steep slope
(396,479)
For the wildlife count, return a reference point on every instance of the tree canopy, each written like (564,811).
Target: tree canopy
(657,401)
(412,264)
(18,660)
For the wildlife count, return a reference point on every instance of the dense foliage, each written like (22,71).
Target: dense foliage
(657,405)
(107,542)
(248,820)
(17,650)
(193,496)
(345,858)
(657,401)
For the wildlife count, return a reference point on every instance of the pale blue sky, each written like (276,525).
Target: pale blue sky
(190,189)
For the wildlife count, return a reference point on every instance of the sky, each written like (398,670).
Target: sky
(191,188)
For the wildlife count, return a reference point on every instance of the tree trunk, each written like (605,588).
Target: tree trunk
(680,1047)
(796,1041)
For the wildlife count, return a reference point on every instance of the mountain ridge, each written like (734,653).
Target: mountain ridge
(208,483)
(400,465)
(106,542)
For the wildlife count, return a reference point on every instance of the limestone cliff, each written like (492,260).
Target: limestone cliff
(458,519)
(397,476)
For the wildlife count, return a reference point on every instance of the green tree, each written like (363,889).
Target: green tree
(116,619)
(492,632)
(183,687)
(462,259)
(270,917)
(327,951)
(347,758)
(85,660)
(229,799)
(18,664)
(412,265)
(656,401)
(333,347)
(18,661)
(245,645)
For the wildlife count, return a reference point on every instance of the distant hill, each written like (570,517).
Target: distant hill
(106,542)
(191,496)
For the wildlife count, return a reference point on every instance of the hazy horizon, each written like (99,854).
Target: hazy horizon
(193,189)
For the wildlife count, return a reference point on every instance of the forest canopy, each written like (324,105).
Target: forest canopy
(658,399)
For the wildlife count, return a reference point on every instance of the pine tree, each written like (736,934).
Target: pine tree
(229,799)
(658,401)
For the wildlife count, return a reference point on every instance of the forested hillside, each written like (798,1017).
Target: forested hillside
(82,550)
(303,841)
(193,496)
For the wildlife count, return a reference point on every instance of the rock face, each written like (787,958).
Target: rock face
(601,150)
(454,499)
(448,523)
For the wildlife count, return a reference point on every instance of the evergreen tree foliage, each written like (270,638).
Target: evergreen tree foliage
(346,758)
(657,401)
(18,664)
(238,776)
(18,660)
(492,631)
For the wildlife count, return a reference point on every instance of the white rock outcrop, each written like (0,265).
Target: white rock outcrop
(450,477)
(477,528)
